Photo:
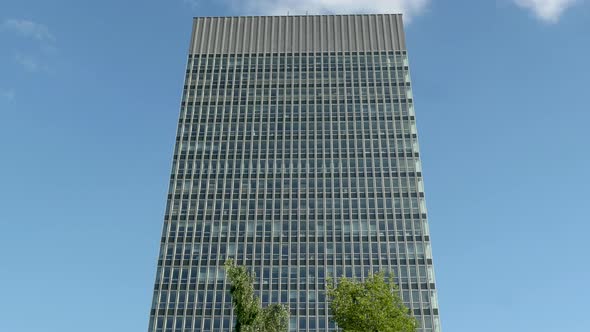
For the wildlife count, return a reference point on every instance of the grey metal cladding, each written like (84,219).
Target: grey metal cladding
(286,34)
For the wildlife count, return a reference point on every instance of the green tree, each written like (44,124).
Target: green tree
(250,316)
(372,305)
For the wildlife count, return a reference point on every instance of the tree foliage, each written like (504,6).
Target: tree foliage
(250,316)
(373,305)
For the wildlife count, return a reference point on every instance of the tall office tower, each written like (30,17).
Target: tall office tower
(297,156)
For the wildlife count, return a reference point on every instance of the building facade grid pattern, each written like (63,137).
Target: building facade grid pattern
(299,166)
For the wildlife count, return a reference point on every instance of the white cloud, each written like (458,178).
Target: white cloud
(28,29)
(410,8)
(547,10)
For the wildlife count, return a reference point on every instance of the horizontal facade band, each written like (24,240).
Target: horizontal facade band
(296,34)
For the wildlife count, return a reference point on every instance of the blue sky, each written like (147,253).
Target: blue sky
(89,97)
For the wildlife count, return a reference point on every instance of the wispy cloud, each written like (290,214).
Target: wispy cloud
(28,29)
(28,62)
(7,94)
(39,45)
(547,10)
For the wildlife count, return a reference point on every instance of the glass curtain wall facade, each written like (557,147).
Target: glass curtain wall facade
(297,156)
